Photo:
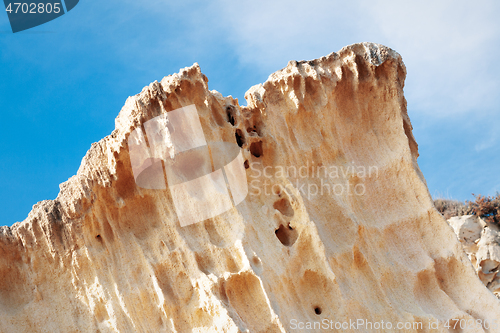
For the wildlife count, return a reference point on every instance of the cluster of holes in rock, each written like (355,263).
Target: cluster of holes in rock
(255,147)
(286,234)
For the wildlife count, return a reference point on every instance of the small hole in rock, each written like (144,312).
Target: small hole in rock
(98,237)
(290,227)
(285,235)
(230,115)
(284,207)
(256,260)
(317,310)
(277,190)
(240,138)
(256,148)
(255,128)
(246,164)
(252,130)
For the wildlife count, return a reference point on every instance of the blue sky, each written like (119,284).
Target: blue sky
(63,83)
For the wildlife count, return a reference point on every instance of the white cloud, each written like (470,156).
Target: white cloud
(269,33)
(449,47)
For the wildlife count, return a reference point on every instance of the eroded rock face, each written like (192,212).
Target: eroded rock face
(481,242)
(111,256)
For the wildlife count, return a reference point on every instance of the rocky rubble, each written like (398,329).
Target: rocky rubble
(481,242)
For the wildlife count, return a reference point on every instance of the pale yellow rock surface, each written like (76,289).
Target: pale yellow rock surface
(109,256)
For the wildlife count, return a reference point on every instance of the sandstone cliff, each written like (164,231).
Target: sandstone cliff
(107,255)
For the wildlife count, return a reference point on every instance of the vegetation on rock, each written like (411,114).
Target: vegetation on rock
(486,207)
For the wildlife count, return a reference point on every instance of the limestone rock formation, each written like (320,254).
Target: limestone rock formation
(337,226)
(481,242)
